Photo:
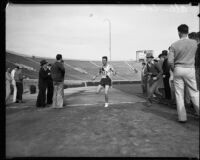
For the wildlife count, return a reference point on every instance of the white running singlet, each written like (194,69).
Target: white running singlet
(106,71)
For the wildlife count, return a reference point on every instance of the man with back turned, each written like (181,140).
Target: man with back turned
(181,59)
(58,74)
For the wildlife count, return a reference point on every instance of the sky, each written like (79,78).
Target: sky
(82,31)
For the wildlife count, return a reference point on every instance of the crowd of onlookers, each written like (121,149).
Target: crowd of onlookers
(50,84)
(177,71)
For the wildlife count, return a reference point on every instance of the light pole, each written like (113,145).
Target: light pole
(109,22)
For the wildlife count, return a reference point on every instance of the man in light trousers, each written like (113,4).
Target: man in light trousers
(58,74)
(181,60)
(14,83)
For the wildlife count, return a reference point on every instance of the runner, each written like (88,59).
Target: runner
(105,71)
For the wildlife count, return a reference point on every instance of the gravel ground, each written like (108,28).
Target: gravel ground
(121,130)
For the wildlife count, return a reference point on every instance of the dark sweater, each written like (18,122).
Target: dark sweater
(43,75)
(166,68)
(18,76)
(58,72)
(49,78)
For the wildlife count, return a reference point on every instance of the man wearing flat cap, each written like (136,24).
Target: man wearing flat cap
(153,73)
(42,84)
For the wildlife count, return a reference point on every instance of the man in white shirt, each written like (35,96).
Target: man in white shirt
(14,83)
(106,71)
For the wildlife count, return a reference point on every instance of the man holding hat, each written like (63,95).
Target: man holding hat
(153,73)
(42,84)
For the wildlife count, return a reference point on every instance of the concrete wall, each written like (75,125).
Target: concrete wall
(73,83)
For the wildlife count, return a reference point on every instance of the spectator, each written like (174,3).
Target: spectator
(49,86)
(197,60)
(14,83)
(58,74)
(181,60)
(187,99)
(19,84)
(171,83)
(8,84)
(192,35)
(166,75)
(42,84)
(153,74)
(143,79)
(172,89)
(160,85)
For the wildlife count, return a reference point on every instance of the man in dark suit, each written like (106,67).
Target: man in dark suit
(166,75)
(42,84)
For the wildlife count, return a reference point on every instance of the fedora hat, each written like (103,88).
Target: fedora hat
(149,55)
(42,62)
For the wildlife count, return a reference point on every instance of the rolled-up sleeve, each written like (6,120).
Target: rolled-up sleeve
(171,57)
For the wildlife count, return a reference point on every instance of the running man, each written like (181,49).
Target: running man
(105,72)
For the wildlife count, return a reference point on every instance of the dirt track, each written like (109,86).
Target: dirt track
(123,129)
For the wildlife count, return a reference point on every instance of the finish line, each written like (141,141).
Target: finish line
(74,105)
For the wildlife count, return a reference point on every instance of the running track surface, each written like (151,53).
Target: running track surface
(85,128)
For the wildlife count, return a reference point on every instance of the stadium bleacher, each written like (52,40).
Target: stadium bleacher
(75,69)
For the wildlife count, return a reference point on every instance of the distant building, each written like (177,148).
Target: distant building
(141,55)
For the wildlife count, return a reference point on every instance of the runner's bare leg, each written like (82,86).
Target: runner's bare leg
(106,93)
(99,89)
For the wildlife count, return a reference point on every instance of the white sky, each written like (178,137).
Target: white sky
(80,32)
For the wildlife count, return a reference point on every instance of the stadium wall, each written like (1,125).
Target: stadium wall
(74,83)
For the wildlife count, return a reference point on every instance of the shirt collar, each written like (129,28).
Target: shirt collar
(182,38)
